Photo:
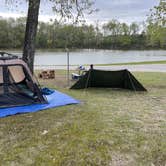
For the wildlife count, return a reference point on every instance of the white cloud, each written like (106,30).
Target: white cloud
(13,15)
(44,18)
(123,10)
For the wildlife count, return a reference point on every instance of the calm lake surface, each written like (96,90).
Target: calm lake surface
(81,57)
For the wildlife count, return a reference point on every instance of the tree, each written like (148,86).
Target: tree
(158,14)
(30,33)
(113,28)
(156,29)
(125,29)
(68,9)
(134,28)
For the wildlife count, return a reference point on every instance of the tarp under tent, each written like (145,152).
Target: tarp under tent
(17,85)
(20,92)
(55,99)
(109,79)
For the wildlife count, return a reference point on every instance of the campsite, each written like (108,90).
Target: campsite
(82,83)
(109,127)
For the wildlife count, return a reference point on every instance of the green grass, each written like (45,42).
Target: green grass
(135,63)
(109,128)
(129,63)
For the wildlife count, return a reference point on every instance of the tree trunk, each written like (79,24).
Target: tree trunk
(30,34)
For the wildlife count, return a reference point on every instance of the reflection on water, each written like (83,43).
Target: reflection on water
(96,56)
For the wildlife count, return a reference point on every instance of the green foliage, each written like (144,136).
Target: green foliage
(12,32)
(113,35)
(158,14)
(156,35)
(156,29)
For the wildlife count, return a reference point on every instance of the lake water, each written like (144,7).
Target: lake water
(81,57)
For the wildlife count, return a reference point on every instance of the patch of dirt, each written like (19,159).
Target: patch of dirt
(119,159)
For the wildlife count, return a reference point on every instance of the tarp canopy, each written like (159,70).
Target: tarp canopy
(109,79)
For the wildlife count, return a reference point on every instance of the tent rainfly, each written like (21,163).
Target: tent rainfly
(17,85)
(109,79)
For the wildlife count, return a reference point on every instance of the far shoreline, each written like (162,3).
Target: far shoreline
(78,49)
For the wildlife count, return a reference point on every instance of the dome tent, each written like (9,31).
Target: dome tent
(17,85)
(109,79)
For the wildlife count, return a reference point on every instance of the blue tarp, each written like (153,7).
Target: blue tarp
(56,99)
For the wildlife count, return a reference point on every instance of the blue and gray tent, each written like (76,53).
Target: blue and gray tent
(18,87)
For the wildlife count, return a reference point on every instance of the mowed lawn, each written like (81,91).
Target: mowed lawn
(109,128)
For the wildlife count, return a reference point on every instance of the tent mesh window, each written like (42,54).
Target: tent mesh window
(17,87)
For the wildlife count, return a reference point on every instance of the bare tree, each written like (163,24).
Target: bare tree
(30,33)
(67,9)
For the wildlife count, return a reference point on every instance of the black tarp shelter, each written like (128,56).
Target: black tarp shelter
(17,85)
(109,79)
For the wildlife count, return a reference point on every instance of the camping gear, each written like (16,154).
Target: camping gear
(47,74)
(17,85)
(109,79)
(81,71)
(47,91)
(56,99)
(75,76)
(80,68)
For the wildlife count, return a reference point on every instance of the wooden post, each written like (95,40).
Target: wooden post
(68,67)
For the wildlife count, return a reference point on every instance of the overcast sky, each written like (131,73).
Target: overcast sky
(123,10)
